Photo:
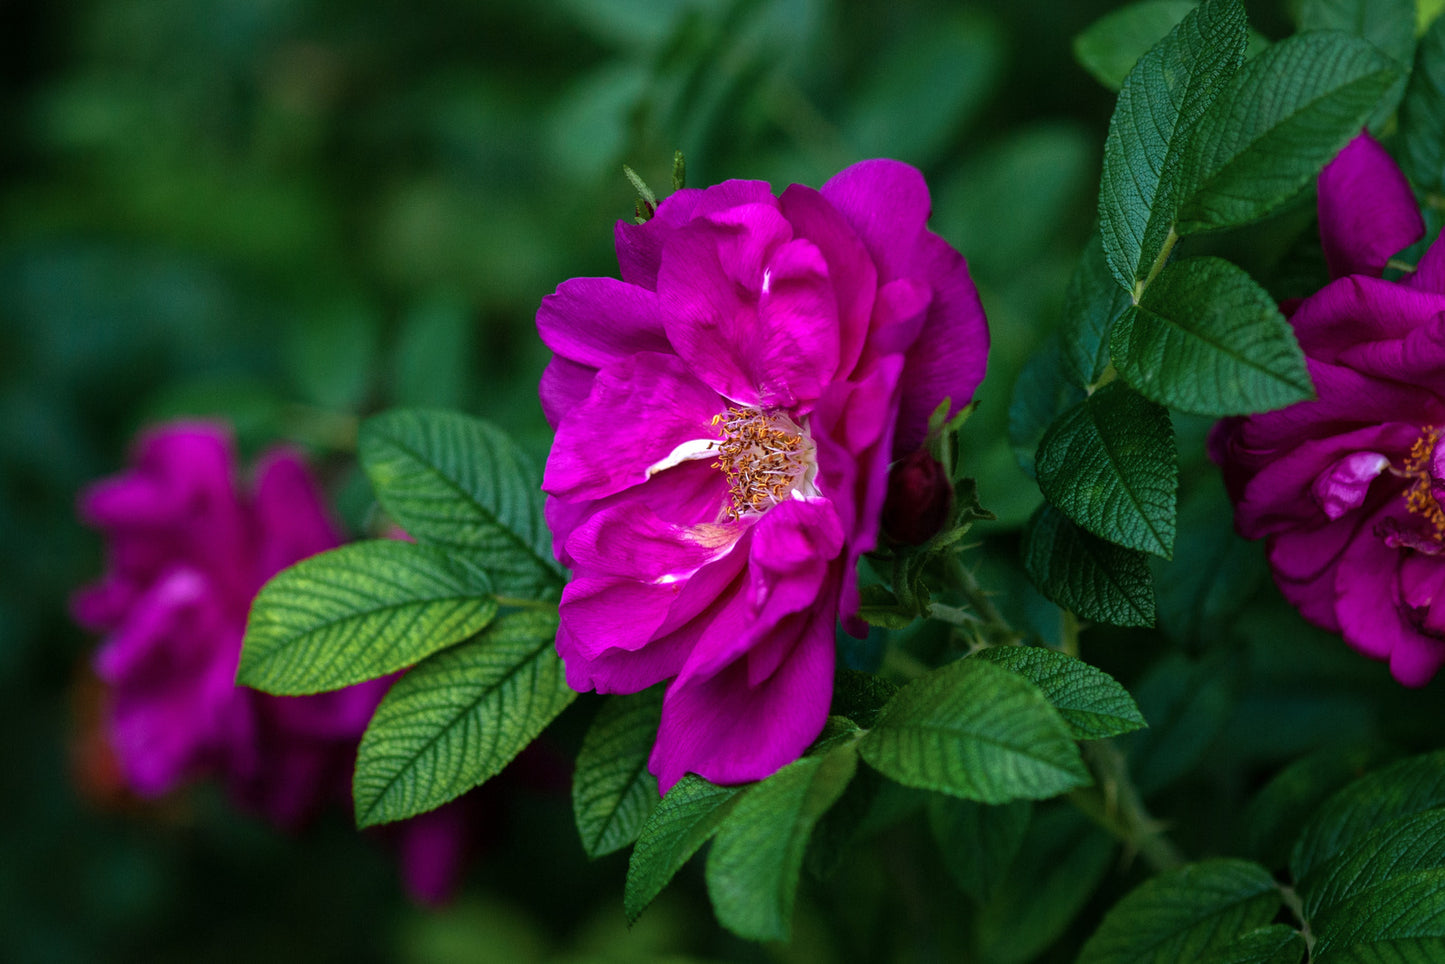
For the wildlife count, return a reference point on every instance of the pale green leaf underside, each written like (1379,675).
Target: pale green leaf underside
(359,612)
(1086,575)
(1111,46)
(459,717)
(977,731)
(1109,463)
(1207,339)
(612,790)
(457,482)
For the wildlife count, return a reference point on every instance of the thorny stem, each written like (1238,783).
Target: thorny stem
(1114,804)
(993,628)
(1157,266)
(1296,907)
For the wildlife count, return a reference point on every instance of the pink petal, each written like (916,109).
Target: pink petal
(597,321)
(887,204)
(292,521)
(1367,211)
(565,385)
(638,412)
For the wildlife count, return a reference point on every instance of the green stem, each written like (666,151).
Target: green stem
(1114,804)
(992,627)
(1164,251)
(1296,907)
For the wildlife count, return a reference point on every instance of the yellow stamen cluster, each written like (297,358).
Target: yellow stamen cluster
(1420,497)
(762,455)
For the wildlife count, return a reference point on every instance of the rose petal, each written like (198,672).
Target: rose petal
(1367,211)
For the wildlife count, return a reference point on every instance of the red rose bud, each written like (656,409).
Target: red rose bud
(919,499)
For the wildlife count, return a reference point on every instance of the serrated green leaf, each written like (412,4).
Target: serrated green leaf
(1275,944)
(1152,131)
(456,482)
(1399,847)
(977,731)
(1296,792)
(861,696)
(459,717)
(1086,575)
(681,823)
(977,842)
(1041,394)
(1207,339)
(1185,913)
(1283,117)
(1401,921)
(1093,303)
(1091,701)
(753,867)
(612,790)
(358,612)
(1422,114)
(1064,855)
(1398,790)
(1110,46)
(1109,464)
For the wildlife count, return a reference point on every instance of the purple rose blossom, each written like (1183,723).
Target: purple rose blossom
(726,414)
(188,551)
(1348,489)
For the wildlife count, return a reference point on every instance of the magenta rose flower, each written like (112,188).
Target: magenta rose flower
(1347,489)
(726,414)
(188,550)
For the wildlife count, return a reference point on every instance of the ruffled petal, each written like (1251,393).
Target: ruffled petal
(887,204)
(948,359)
(638,411)
(1345,314)
(564,385)
(1429,274)
(597,321)
(292,521)
(1367,211)
(727,731)
(751,309)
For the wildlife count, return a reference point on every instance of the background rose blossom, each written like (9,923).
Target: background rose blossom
(1346,489)
(188,548)
(726,414)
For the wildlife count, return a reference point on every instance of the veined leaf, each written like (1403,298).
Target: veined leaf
(1086,575)
(358,612)
(1283,117)
(1109,464)
(1422,114)
(1207,339)
(1041,393)
(1093,303)
(612,792)
(1153,129)
(459,717)
(1401,921)
(1185,913)
(977,731)
(1403,788)
(1091,701)
(1110,46)
(1274,944)
(456,482)
(753,867)
(1388,851)
(681,823)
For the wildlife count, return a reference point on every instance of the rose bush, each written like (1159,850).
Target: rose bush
(726,414)
(1347,489)
(188,550)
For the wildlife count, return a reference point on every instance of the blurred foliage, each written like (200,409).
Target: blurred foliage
(294,212)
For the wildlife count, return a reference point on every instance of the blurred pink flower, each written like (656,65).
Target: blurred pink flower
(1347,489)
(188,550)
(726,414)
